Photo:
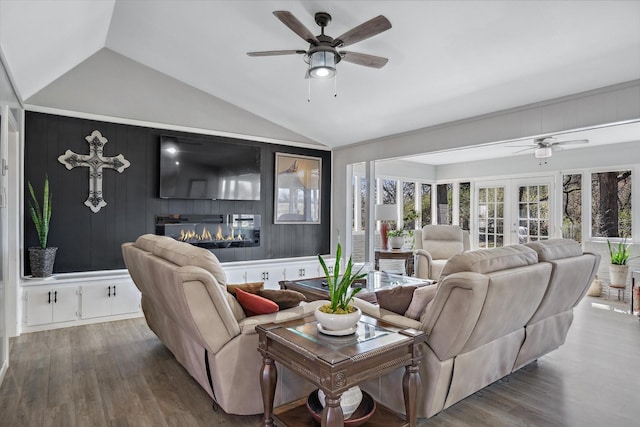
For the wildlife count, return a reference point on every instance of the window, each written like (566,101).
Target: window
(611,204)
(464,204)
(408,205)
(572,206)
(444,198)
(425,204)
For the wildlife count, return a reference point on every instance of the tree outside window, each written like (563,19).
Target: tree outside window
(572,206)
(425,204)
(611,204)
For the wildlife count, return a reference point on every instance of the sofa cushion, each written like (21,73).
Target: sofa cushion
(251,287)
(421,297)
(396,299)
(489,260)
(285,298)
(549,250)
(253,304)
(185,254)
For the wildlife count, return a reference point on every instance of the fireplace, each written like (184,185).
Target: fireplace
(212,231)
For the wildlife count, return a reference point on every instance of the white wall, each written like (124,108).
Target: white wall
(113,85)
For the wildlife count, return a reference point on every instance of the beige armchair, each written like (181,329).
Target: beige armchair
(435,244)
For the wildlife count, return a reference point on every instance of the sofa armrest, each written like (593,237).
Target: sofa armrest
(375,311)
(248,324)
(422,264)
(451,316)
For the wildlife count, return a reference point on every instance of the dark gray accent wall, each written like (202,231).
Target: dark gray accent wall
(90,241)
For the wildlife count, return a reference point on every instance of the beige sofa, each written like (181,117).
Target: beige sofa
(494,311)
(186,304)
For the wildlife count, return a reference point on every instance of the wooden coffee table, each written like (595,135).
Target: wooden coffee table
(335,364)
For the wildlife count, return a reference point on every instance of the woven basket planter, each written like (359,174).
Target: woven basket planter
(41,261)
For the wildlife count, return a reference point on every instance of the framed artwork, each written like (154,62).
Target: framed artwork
(297,191)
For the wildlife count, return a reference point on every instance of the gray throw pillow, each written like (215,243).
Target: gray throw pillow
(395,299)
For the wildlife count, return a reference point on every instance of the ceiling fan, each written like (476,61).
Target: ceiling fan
(544,147)
(323,55)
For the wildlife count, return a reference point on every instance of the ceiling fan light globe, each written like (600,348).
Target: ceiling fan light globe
(543,152)
(322,65)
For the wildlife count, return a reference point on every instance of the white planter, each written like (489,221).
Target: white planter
(396,242)
(337,322)
(618,274)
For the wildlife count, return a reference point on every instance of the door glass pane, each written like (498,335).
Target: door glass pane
(490,217)
(533,213)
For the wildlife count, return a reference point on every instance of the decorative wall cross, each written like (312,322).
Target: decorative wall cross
(96,163)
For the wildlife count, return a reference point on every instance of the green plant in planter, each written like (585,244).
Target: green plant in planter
(339,295)
(41,217)
(619,253)
(396,233)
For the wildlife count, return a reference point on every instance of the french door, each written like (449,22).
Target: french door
(513,211)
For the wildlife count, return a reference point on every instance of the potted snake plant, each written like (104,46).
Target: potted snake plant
(339,316)
(41,258)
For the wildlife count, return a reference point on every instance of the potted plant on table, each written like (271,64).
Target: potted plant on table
(396,238)
(339,316)
(41,258)
(618,269)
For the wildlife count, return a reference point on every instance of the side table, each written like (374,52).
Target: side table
(335,364)
(406,255)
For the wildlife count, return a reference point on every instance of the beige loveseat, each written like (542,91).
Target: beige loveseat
(186,304)
(494,311)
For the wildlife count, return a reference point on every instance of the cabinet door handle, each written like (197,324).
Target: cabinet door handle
(109,292)
(55,296)
(49,300)
(114,290)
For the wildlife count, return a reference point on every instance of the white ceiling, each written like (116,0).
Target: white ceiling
(448,60)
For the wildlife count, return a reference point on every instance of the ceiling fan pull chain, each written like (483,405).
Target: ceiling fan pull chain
(309,90)
(335,86)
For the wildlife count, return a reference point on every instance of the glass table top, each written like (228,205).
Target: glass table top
(375,280)
(365,332)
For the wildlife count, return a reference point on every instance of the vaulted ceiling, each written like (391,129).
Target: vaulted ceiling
(448,60)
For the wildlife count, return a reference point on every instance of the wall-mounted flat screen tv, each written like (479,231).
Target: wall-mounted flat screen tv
(208,169)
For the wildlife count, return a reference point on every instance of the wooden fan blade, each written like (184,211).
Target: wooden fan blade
(296,26)
(370,28)
(364,59)
(276,52)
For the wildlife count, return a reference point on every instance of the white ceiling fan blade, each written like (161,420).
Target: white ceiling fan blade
(573,141)
(526,149)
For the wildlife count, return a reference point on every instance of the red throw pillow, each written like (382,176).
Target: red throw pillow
(253,304)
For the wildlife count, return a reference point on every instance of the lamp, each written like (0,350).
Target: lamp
(385,213)
(543,152)
(322,63)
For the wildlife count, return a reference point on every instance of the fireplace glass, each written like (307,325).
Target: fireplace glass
(212,231)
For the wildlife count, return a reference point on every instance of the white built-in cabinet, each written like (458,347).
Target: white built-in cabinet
(81,298)
(50,304)
(275,271)
(78,298)
(109,299)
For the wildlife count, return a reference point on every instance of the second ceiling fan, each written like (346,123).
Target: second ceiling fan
(544,147)
(322,54)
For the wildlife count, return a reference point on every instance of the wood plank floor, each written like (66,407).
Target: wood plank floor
(119,374)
